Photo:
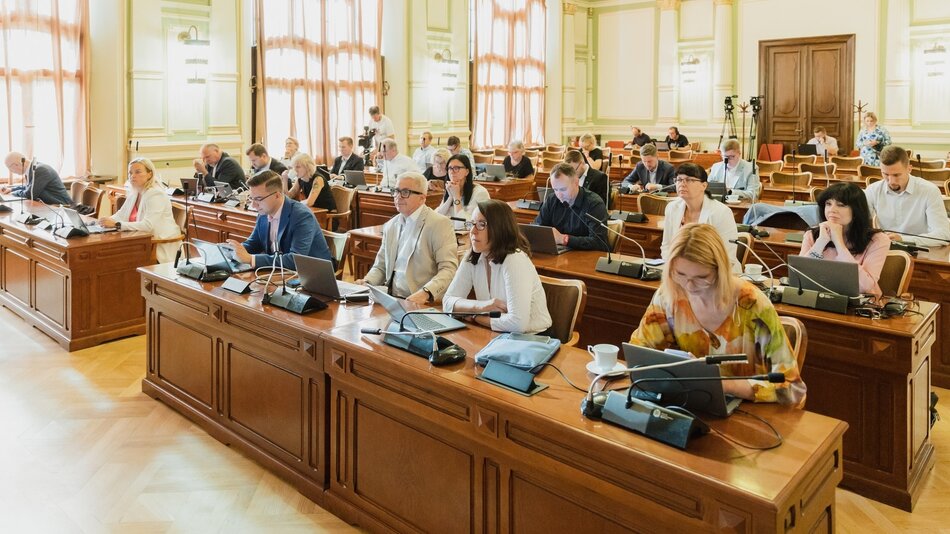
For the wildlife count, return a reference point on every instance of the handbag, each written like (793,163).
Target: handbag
(524,351)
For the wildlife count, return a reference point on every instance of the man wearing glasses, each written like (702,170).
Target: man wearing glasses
(566,211)
(283,226)
(418,257)
(392,164)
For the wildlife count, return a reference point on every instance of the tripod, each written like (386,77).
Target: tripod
(729,121)
(756,103)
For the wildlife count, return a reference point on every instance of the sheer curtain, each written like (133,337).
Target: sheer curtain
(320,71)
(43,110)
(509,72)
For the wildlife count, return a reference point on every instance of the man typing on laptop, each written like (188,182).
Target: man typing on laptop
(566,211)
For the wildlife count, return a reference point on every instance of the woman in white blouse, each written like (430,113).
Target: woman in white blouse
(146,209)
(693,205)
(501,273)
(462,194)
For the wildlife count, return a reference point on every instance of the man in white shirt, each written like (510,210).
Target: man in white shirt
(825,143)
(423,155)
(737,173)
(908,208)
(454,144)
(383,126)
(392,164)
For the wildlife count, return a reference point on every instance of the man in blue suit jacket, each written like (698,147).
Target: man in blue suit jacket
(283,225)
(737,173)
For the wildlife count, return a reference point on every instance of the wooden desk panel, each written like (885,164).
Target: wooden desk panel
(375,208)
(76,291)
(217,223)
(510,189)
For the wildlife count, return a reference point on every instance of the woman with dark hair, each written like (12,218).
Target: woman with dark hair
(695,205)
(845,234)
(501,274)
(461,191)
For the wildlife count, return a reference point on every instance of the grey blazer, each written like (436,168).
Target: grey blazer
(747,185)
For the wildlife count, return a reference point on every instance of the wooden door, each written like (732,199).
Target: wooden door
(806,83)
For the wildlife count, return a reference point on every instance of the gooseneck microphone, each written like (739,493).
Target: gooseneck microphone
(591,230)
(494,314)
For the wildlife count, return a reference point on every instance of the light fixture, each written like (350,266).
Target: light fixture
(447,69)
(690,60)
(186,38)
(196,60)
(935,59)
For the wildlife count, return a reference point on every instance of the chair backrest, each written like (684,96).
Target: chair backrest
(547,154)
(548,163)
(92,196)
(768,167)
(532,153)
(652,204)
(868,170)
(799,179)
(339,244)
(555,148)
(815,192)
(743,252)
(847,164)
(928,164)
(695,146)
(484,158)
(680,154)
(818,169)
(119,201)
(797,338)
(566,299)
(634,159)
(613,238)
(180,216)
(76,190)
(615,144)
(938,177)
(896,273)
(871,179)
(798,160)
(501,152)
(343,198)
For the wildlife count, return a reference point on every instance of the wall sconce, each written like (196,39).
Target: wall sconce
(935,60)
(447,69)
(688,68)
(198,60)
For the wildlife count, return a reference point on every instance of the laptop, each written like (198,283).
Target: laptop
(541,239)
(189,186)
(495,172)
(224,189)
(839,276)
(414,323)
(702,395)
(716,189)
(353,178)
(76,221)
(220,257)
(317,276)
(663,146)
(807,150)
(545,192)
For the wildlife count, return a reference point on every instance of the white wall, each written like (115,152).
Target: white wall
(107,87)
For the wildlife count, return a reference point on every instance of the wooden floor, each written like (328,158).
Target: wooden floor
(83,450)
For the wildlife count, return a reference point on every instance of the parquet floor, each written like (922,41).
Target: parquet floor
(83,450)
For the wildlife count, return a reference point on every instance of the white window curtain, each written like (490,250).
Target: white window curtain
(509,72)
(319,67)
(43,111)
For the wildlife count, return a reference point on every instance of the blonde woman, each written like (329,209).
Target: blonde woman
(872,139)
(310,184)
(593,155)
(146,209)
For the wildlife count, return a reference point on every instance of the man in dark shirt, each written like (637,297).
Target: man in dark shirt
(639,138)
(588,177)
(675,139)
(41,182)
(217,166)
(261,161)
(347,160)
(650,174)
(566,211)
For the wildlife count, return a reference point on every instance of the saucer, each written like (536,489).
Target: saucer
(593,369)
(754,277)
(733,202)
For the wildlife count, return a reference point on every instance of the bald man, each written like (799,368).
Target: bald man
(42,182)
(217,166)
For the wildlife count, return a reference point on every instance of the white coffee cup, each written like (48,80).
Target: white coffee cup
(732,198)
(605,356)
(753,269)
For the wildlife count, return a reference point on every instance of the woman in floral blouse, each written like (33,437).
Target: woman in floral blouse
(872,140)
(703,309)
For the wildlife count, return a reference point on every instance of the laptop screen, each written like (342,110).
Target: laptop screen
(823,275)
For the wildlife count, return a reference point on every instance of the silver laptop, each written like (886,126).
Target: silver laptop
(354,178)
(76,220)
(415,322)
(663,146)
(545,192)
(220,257)
(317,276)
(541,239)
(703,395)
(495,172)
(839,276)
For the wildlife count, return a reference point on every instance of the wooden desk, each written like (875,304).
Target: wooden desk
(217,223)
(784,192)
(874,374)
(386,441)
(79,291)
(364,244)
(510,189)
(375,208)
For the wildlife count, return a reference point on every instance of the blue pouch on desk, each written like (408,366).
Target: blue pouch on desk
(524,351)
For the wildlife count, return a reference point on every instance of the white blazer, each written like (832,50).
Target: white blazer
(713,213)
(463,211)
(154,216)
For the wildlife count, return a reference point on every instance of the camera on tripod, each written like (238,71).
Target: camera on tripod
(756,103)
(729,105)
(366,139)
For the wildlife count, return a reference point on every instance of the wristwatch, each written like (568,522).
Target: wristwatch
(118,225)
(456,202)
(431,296)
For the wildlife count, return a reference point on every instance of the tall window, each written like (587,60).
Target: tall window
(509,72)
(319,62)
(42,95)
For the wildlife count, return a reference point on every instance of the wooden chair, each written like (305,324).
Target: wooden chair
(547,154)
(633,160)
(818,169)
(615,144)
(119,202)
(339,243)
(501,153)
(76,190)
(534,163)
(815,192)
(928,164)
(92,196)
(555,148)
(484,158)
(181,219)
(343,198)
(868,170)
(695,146)
(743,252)
(938,177)
(797,338)
(798,179)
(871,179)
(680,156)
(896,273)
(566,299)
(548,164)
(768,167)
(795,160)
(532,153)
(847,165)
(613,238)
(652,204)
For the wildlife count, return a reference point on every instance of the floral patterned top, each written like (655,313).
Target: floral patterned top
(753,329)
(872,154)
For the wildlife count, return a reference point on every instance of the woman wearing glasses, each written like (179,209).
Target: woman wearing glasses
(461,192)
(437,175)
(501,274)
(845,233)
(693,205)
(516,164)
(702,308)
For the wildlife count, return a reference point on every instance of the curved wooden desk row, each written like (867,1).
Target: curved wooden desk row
(386,441)
(76,291)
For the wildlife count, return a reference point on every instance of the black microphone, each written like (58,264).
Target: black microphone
(773,378)
(494,314)
(917,235)
(441,352)
(534,205)
(618,234)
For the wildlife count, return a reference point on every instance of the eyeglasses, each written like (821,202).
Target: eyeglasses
(480,225)
(404,193)
(699,282)
(679,181)
(259,199)
(455,168)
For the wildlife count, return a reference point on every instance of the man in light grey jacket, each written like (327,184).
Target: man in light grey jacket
(738,174)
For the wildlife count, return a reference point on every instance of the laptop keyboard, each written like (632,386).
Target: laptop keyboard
(424,322)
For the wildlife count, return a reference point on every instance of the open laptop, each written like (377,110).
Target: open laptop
(354,178)
(839,276)
(220,257)
(807,150)
(317,276)
(662,146)
(495,172)
(541,239)
(76,221)
(545,192)
(703,395)
(414,323)
(716,189)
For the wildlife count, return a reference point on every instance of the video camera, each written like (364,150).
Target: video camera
(756,103)
(366,139)
(729,105)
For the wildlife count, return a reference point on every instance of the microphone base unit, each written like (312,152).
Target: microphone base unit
(817,300)
(907,247)
(752,230)
(446,353)
(794,203)
(28,219)
(629,216)
(533,205)
(295,302)
(5,209)
(652,420)
(69,231)
(628,269)
(196,271)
